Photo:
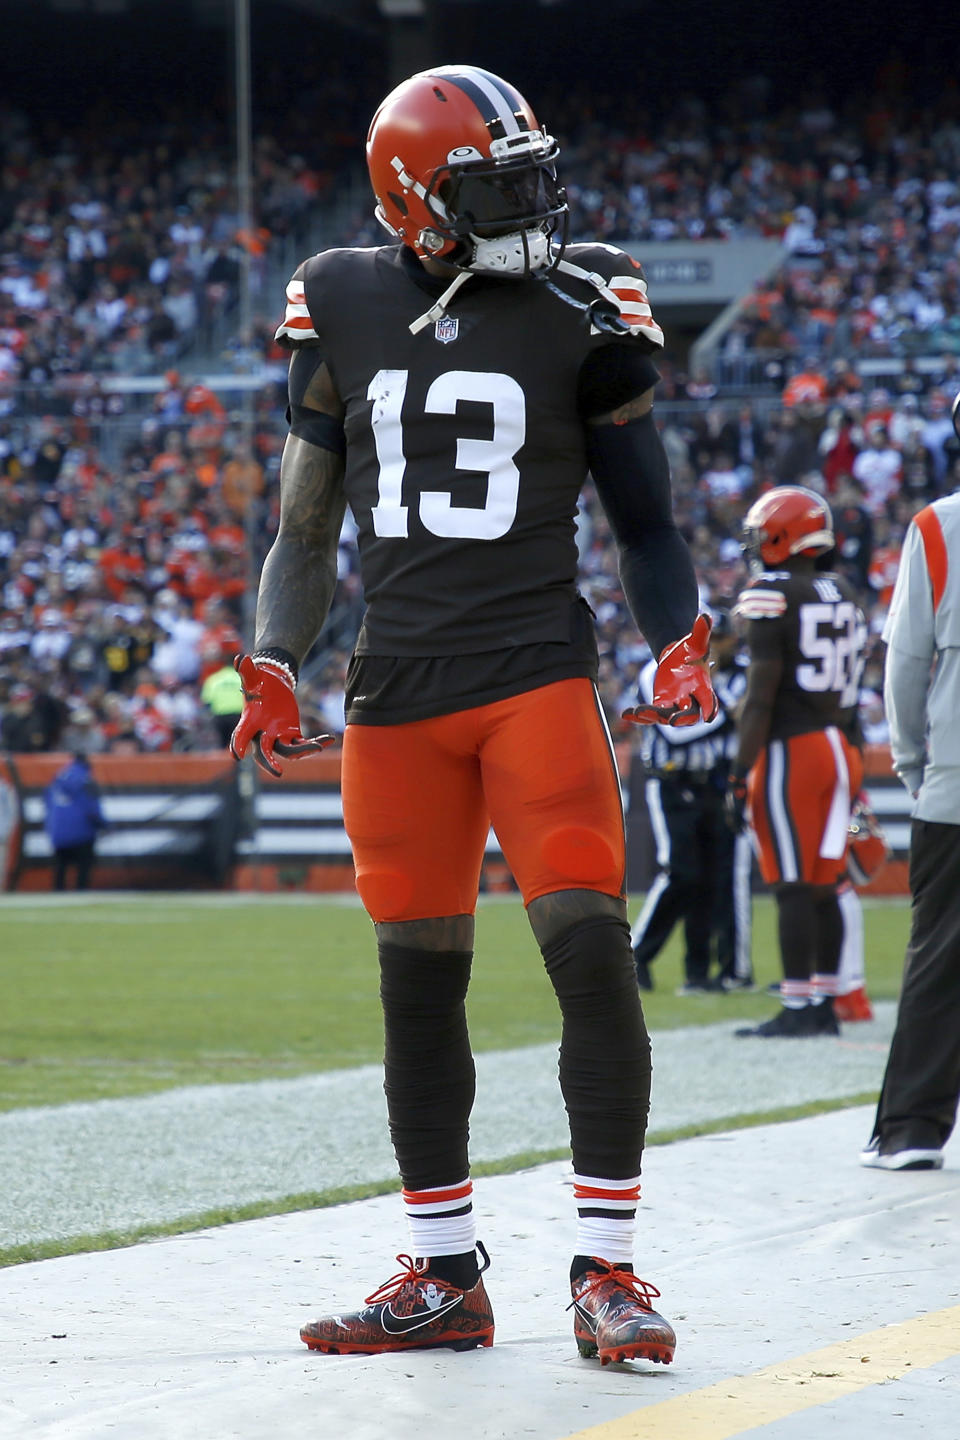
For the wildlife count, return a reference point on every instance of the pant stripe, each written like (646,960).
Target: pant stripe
(833,843)
(782,830)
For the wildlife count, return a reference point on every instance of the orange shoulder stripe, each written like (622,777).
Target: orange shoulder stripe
(935,549)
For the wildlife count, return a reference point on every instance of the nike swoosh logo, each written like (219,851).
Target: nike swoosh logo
(589,1320)
(400,1324)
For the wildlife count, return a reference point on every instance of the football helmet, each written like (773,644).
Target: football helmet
(789,520)
(462,172)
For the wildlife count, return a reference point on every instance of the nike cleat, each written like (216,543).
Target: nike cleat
(613,1317)
(413,1310)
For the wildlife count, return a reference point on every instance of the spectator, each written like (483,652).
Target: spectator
(73,818)
(32,721)
(879,469)
(222,693)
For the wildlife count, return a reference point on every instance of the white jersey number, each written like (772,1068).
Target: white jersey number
(836,656)
(494,458)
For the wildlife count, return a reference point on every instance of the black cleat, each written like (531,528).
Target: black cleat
(802,1024)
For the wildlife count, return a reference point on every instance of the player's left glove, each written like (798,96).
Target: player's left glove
(270,718)
(682,692)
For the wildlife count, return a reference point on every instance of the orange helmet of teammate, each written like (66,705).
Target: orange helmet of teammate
(462,172)
(789,520)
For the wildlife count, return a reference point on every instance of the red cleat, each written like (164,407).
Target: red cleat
(412,1311)
(855,1005)
(613,1317)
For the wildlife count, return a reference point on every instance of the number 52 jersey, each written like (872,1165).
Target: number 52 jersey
(465,441)
(813,625)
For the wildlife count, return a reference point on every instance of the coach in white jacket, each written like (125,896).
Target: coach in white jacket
(921,1087)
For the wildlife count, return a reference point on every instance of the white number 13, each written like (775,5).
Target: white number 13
(494,457)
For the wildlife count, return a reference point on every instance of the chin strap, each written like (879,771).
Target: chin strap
(598,311)
(437,311)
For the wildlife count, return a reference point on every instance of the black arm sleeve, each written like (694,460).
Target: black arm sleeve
(314,426)
(632,475)
(611,376)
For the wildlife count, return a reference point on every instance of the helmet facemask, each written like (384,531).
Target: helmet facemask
(501,213)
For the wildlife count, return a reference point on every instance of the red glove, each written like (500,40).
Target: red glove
(682,693)
(270,716)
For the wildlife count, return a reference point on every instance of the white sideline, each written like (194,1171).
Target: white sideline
(78,1169)
(766,1243)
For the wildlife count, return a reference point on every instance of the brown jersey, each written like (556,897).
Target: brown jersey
(465,441)
(814,626)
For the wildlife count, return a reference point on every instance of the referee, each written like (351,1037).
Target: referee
(921,1086)
(703,876)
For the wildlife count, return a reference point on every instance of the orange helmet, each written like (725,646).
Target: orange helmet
(787,521)
(462,172)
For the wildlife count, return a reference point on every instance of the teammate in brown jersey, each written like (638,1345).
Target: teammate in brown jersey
(454,390)
(798,767)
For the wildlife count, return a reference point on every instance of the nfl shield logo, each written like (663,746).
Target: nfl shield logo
(446,329)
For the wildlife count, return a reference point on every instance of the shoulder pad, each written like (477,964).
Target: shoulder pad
(760,604)
(618,279)
(296,327)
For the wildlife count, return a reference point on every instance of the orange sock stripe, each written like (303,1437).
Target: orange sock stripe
(440,1196)
(594,1192)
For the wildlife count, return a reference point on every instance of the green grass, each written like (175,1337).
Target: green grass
(136,995)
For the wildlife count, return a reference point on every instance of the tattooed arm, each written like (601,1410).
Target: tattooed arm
(300,572)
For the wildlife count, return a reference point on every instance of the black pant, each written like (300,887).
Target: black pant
(79,855)
(922,1079)
(699,859)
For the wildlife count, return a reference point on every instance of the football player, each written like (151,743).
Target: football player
(798,765)
(454,389)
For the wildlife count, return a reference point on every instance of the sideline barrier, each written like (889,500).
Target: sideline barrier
(198,821)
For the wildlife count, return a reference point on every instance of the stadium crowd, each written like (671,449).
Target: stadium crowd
(124,569)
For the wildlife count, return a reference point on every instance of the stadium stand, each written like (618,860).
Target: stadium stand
(138,470)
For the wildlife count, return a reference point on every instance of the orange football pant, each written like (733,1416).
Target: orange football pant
(419,799)
(800,794)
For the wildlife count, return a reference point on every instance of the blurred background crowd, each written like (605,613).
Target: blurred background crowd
(138,495)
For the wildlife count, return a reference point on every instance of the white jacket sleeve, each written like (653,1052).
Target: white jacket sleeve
(909,633)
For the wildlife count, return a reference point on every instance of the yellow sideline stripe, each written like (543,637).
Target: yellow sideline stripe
(739,1405)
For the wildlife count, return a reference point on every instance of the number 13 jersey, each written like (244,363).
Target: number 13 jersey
(465,441)
(813,625)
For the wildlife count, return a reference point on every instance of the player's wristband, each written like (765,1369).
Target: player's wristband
(281,658)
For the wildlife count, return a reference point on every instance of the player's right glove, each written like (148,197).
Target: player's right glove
(735,801)
(270,718)
(682,692)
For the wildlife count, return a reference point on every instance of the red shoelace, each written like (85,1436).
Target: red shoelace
(392,1287)
(641,1290)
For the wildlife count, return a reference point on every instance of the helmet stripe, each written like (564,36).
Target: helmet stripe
(494,103)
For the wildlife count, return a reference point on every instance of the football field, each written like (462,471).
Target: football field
(175,1063)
